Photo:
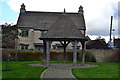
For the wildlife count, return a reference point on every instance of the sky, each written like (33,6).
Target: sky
(97,13)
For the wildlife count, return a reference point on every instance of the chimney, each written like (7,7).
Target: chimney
(80,11)
(22,9)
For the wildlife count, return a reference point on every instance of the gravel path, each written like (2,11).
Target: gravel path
(60,71)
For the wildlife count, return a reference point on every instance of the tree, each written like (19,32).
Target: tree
(9,32)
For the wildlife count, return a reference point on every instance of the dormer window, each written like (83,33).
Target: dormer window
(43,32)
(24,33)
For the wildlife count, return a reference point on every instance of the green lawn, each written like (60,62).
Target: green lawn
(105,70)
(22,70)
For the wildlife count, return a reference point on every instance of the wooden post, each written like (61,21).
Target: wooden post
(64,47)
(64,54)
(48,53)
(83,53)
(74,52)
(44,55)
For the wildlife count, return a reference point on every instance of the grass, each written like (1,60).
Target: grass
(22,70)
(105,70)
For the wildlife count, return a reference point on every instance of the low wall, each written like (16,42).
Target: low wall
(105,55)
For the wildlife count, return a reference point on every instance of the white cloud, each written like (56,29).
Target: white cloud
(97,12)
(2,22)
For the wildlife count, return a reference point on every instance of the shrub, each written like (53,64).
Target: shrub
(89,57)
(27,55)
(69,55)
(54,55)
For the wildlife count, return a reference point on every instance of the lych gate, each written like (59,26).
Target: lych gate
(64,31)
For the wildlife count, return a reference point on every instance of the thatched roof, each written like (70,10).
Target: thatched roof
(44,20)
(63,28)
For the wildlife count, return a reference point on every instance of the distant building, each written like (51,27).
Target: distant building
(117,42)
(96,44)
(33,24)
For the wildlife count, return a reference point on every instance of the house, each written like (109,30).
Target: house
(117,42)
(96,44)
(32,25)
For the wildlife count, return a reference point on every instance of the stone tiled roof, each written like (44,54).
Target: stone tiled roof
(44,20)
(96,44)
(63,28)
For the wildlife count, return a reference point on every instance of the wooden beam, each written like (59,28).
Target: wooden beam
(64,44)
(61,43)
(64,47)
(67,43)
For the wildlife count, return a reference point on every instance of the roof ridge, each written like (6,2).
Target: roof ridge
(50,12)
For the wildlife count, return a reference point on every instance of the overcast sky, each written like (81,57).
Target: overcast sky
(97,13)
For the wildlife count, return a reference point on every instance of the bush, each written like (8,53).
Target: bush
(58,56)
(27,55)
(89,57)
(54,55)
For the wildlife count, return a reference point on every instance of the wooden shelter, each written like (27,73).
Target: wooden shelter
(64,31)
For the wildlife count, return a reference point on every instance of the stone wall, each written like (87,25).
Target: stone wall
(103,55)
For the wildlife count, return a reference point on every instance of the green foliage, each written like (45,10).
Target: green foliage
(10,58)
(69,55)
(9,32)
(89,57)
(54,55)
(27,55)
(58,55)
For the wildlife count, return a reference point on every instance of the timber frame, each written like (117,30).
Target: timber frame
(47,47)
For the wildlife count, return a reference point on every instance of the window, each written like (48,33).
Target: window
(38,48)
(24,33)
(78,47)
(43,32)
(24,47)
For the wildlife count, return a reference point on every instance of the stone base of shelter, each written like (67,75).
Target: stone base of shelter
(68,65)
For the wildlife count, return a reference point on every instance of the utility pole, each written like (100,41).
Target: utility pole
(110,40)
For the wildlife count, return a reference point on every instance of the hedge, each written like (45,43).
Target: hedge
(55,55)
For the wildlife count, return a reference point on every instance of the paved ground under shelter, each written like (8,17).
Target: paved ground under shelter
(60,70)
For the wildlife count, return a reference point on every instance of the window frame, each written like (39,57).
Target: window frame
(24,33)
(25,47)
(42,32)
